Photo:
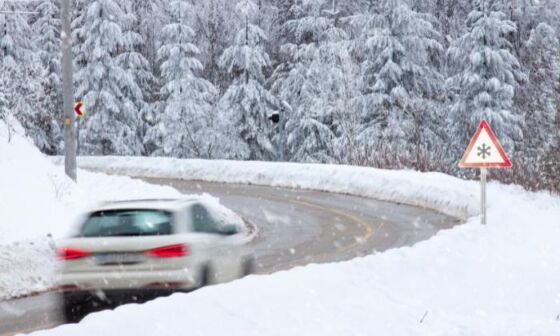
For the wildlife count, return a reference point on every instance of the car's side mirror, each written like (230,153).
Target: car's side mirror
(229,229)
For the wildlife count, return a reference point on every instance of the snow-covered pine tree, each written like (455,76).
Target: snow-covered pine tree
(484,79)
(317,77)
(247,104)
(20,72)
(548,11)
(524,14)
(183,119)
(539,97)
(450,15)
(289,75)
(47,33)
(78,21)
(139,71)
(332,86)
(303,78)
(397,49)
(110,125)
(212,25)
(150,18)
(284,13)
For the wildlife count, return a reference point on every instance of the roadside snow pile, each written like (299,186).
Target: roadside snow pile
(34,194)
(428,190)
(25,267)
(33,203)
(499,279)
(38,201)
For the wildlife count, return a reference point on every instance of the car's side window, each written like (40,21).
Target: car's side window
(202,220)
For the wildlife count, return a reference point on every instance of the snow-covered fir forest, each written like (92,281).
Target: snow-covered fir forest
(384,83)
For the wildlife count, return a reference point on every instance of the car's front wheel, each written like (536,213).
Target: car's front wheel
(206,277)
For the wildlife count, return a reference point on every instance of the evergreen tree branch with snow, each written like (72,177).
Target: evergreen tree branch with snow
(247,104)
(484,81)
(183,116)
(397,47)
(107,89)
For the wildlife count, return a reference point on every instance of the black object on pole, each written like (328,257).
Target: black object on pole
(274,117)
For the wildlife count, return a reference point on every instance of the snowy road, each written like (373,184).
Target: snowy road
(296,227)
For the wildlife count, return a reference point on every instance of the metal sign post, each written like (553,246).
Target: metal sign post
(68,91)
(77,137)
(78,106)
(484,151)
(483,195)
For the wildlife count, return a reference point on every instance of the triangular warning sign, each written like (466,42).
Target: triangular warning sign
(484,150)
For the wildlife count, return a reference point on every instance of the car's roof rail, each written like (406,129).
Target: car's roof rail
(149,200)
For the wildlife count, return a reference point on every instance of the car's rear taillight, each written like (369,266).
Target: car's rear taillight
(177,250)
(66,253)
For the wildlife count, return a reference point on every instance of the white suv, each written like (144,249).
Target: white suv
(137,250)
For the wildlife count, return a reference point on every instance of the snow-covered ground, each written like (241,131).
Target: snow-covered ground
(38,204)
(499,279)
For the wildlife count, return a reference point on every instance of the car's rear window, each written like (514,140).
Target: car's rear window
(132,222)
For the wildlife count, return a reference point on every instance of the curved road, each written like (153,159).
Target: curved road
(296,227)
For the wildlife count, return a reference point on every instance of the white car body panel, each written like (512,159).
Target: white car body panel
(120,262)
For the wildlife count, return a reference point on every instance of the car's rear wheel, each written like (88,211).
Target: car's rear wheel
(248,267)
(72,310)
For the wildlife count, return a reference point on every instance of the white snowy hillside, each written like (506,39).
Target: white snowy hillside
(498,279)
(38,201)
(33,203)
(34,194)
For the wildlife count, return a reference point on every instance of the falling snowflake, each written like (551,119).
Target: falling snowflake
(483,151)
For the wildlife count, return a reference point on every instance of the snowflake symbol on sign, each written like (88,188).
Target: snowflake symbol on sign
(483,151)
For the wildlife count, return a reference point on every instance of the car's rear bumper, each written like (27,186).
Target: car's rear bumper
(113,296)
(181,279)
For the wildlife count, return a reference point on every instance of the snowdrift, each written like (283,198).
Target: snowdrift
(435,191)
(35,198)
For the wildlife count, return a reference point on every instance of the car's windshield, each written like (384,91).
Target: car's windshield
(127,223)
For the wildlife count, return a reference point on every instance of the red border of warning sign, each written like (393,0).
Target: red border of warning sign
(506,163)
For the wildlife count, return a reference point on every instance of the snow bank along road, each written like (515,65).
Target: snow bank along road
(296,227)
